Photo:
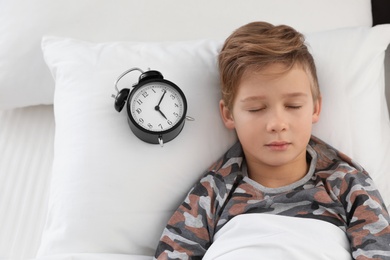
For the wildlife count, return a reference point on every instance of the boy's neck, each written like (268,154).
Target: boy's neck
(278,176)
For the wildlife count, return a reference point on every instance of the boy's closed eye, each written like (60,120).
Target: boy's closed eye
(262,108)
(293,106)
(258,109)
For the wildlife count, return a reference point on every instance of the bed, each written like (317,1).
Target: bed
(75,183)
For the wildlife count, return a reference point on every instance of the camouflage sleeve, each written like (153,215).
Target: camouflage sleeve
(367,218)
(189,232)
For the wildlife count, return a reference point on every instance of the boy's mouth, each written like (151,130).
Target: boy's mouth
(278,145)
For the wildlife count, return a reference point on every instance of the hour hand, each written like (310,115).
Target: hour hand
(162,114)
(157,108)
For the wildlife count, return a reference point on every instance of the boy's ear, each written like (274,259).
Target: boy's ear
(226,115)
(317,110)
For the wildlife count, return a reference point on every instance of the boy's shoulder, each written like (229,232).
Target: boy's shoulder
(229,165)
(330,159)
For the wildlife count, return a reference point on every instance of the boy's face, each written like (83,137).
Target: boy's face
(273,116)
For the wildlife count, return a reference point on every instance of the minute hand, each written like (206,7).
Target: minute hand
(161,98)
(157,108)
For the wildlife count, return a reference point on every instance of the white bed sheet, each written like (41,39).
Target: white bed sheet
(277,237)
(26,154)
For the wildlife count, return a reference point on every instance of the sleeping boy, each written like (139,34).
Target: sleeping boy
(271,98)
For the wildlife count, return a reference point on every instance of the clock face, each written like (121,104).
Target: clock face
(157,106)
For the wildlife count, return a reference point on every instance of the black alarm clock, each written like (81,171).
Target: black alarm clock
(156,107)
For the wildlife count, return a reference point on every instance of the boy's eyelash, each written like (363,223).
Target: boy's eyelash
(263,108)
(294,107)
(255,110)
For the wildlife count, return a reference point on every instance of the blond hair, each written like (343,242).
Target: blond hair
(257,45)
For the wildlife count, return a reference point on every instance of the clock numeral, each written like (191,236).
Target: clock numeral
(173,97)
(145,94)
(153,90)
(139,101)
(169,122)
(160,125)
(175,114)
(150,125)
(176,105)
(141,120)
(139,110)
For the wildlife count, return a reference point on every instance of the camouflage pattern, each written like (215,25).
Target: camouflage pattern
(335,190)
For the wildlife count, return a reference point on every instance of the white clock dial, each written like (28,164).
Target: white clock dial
(157,106)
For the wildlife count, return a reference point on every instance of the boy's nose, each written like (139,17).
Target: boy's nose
(277,123)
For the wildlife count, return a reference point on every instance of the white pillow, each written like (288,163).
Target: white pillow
(25,80)
(112,193)
(352,82)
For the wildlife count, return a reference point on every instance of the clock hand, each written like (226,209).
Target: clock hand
(161,113)
(161,98)
(157,108)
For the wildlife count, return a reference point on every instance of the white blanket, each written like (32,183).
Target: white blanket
(265,236)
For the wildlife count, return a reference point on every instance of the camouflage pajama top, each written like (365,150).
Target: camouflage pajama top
(335,190)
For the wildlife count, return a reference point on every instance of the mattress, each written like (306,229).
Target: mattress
(26,151)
